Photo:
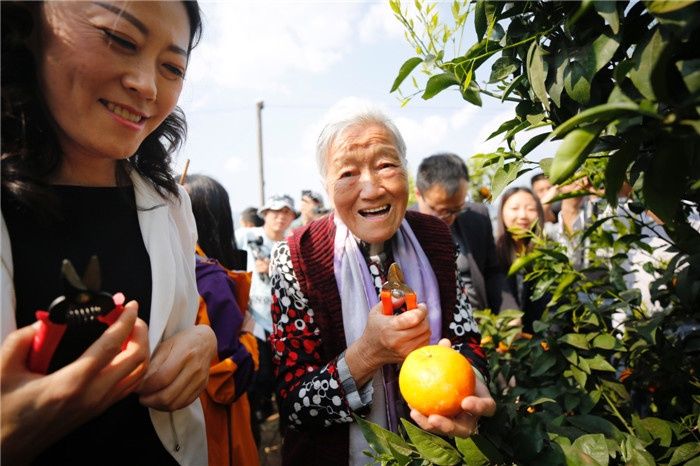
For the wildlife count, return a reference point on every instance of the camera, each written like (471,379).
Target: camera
(255,246)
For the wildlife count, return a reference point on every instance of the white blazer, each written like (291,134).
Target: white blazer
(170,234)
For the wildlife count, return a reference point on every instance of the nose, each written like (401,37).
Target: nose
(142,80)
(370,185)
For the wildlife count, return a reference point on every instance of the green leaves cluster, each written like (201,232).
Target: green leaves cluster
(587,70)
(619,85)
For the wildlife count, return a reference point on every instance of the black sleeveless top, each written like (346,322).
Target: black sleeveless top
(91,221)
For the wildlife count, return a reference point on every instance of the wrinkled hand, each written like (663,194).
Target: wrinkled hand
(465,423)
(387,339)
(39,409)
(179,369)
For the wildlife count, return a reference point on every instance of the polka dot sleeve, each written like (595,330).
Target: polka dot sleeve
(464,331)
(310,390)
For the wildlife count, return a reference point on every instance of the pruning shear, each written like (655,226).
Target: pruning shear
(83,302)
(396,287)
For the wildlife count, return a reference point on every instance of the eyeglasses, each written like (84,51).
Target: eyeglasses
(444,213)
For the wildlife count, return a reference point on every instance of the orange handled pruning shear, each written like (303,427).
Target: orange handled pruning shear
(396,287)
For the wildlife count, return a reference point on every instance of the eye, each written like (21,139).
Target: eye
(345,174)
(120,41)
(176,70)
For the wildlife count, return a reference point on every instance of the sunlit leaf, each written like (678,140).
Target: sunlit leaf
(667,6)
(537,73)
(607,9)
(439,83)
(408,66)
(431,447)
(573,151)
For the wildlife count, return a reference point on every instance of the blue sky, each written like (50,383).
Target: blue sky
(303,59)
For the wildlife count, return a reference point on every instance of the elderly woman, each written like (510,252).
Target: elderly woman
(334,350)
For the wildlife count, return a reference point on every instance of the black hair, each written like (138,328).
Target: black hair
(444,169)
(212,214)
(538,177)
(505,243)
(250,214)
(30,149)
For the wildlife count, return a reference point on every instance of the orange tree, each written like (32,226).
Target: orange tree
(619,84)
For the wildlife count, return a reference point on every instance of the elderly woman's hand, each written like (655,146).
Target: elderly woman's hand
(387,339)
(179,369)
(465,423)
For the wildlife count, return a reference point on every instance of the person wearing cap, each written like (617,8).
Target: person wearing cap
(278,214)
(310,209)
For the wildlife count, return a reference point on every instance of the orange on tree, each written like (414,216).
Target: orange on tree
(435,379)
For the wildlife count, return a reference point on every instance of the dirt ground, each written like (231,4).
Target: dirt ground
(270,450)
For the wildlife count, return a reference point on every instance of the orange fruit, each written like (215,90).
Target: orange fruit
(435,379)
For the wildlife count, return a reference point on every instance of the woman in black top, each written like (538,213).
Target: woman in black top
(89,121)
(520,215)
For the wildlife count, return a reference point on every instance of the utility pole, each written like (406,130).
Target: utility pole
(260,105)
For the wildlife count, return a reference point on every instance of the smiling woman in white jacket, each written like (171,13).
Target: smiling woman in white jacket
(89,122)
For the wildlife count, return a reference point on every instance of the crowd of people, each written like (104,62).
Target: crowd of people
(222,326)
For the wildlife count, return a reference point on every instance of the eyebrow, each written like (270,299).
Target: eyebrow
(137,24)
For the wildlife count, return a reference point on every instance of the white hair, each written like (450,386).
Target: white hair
(337,123)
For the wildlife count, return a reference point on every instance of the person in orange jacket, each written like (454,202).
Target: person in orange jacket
(223,300)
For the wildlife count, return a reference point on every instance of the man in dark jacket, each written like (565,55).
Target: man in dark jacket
(442,183)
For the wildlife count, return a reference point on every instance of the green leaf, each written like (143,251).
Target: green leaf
(522,261)
(608,11)
(595,425)
(480,20)
(601,113)
(432,447)
(537,73)
(575,339)
(504,176)
(478,450)
(603,49)
(666,6)
(604,341)
(408,66)
(543,363)
(659,429)
(594,446)
(633,452)
(616,171)
(571,355)
(534,141)
(599,363)
(472,94)
(684,453)
(374,435)
(511,87)
(646,58)
(556,86)
(546,165)
(439,83)
(664,180)
(579,376)
(690,71)
(576,82)
(573,152)
(505,126)
(502,68)
(565,282)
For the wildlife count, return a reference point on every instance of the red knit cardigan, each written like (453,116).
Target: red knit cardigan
(311,249)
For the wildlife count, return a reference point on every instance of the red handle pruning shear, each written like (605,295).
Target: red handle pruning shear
(396,287)
(82,303)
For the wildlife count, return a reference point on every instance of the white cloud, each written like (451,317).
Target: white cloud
(378,23)
(259,45)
